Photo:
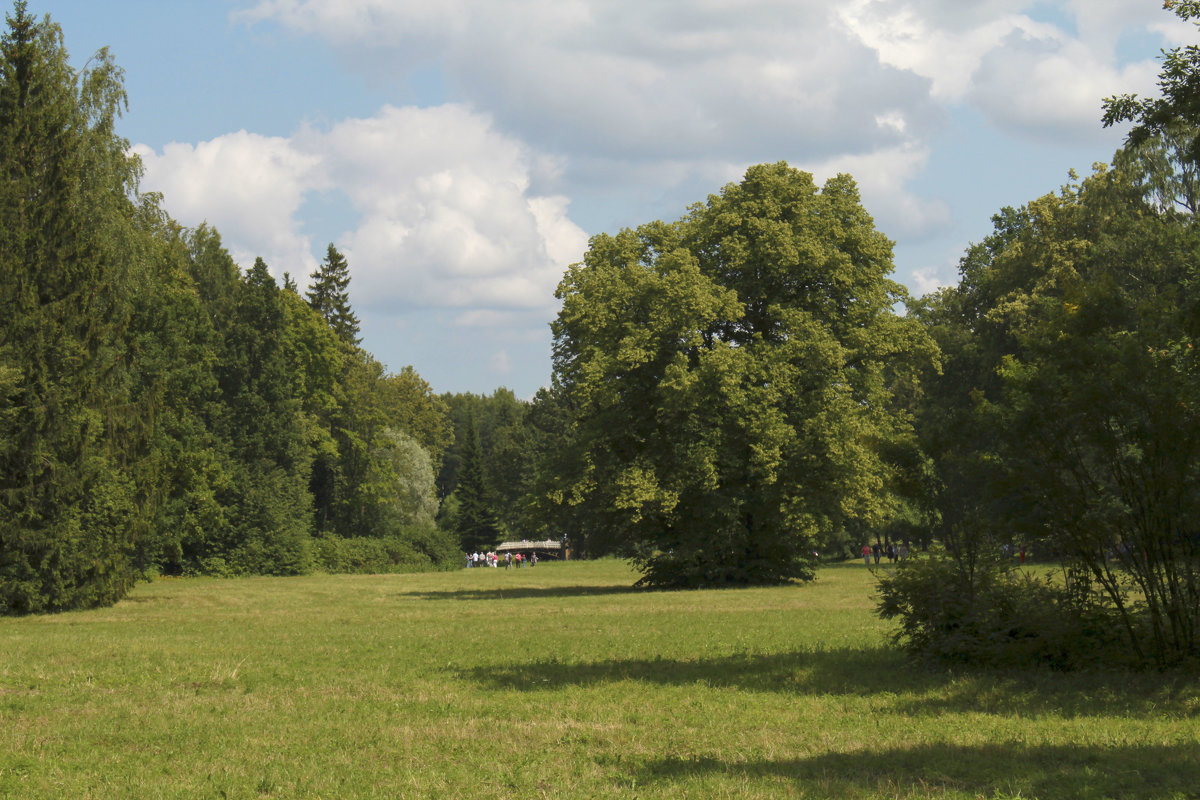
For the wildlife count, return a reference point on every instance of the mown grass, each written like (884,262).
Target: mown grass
(557,681)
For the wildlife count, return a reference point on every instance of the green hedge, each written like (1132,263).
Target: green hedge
(417,549)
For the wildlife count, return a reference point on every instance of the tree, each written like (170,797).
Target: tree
(402,479)
(69,513)
(503,435)
(728,378)
(269,503)
(329,296)
(474,517)
(1066,418)
(1178,108)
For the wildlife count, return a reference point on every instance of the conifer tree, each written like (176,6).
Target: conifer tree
(270,501)
(330,297)
(476,519)
(68,511)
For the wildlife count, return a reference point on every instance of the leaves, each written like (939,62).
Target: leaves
(727,376)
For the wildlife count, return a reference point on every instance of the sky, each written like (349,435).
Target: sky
(460,154)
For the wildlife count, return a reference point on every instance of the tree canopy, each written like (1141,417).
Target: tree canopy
(728,377)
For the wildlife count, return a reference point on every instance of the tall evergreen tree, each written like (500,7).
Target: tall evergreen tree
(269,500)
(475,517)
(329,295)
(68,512)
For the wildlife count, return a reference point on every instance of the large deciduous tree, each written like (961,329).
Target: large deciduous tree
(1066,414)
(1066,417)
(1178,107)
(728,376)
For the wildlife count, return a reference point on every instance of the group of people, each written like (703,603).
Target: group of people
(889,551)
(493,560)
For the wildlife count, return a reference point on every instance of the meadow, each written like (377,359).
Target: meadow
(555,681)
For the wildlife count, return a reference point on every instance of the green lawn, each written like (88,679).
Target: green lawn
(556,681)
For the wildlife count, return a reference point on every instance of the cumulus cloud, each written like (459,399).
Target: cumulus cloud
(882,179)
(248,187)
(630,79)
(659,103)
(445,212)
(1052,88)
(1031,77)
(924,280)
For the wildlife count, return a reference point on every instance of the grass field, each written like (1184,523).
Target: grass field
(556,681)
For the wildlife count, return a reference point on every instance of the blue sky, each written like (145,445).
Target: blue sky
(460,153)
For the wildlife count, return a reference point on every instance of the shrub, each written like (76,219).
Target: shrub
(416,549)
(992,614)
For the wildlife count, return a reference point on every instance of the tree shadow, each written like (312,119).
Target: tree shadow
(911,689)
(835,672)
(1067,695)
(1008,769)
(144,598)
(524,593)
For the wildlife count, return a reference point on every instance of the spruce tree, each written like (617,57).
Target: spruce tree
(269,501)
(68,511)
(330,297)
(477,526)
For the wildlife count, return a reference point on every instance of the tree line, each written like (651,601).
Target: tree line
(160,409)
(735,395)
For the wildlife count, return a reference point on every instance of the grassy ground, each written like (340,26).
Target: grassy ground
(557,681)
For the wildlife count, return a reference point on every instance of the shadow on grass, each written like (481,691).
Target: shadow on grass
(903,688)
(991,770)
(833,672)
(1068,695)
(524,593)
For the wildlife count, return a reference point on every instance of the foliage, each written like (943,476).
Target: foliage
(727,377)
(1071,331)
(69,515)
(989,613)
(504,439)
(1177,110)
(401,479)
(474,518)
(161,411)
(415,549)
(329,296)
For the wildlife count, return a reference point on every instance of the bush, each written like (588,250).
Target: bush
(991,614)
(415,549)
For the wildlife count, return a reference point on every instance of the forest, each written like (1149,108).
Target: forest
(736,395)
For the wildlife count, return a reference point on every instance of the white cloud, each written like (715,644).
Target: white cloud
(446,216)
(1052,88)
(882,179)
(248,187)
(924,280)
(751,80)
(1030,77)
(653,101)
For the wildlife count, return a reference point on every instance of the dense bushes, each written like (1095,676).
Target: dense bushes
(989,613)
(416,549)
